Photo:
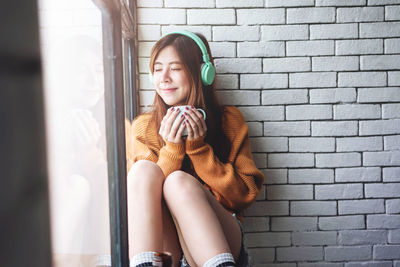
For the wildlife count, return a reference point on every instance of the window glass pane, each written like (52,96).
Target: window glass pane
(71,45)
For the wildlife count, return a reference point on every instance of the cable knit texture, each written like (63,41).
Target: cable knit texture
(235,183)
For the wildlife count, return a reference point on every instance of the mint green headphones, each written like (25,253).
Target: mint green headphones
(207,68)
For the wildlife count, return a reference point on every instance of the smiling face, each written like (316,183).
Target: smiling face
(170,78)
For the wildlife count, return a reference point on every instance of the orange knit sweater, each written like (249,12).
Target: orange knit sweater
(235,184)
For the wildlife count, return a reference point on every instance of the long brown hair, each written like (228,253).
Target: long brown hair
(200,96)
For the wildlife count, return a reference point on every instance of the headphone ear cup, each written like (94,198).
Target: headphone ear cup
(151,79)
(207,73)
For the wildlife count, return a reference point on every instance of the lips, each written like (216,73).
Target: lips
(168,90)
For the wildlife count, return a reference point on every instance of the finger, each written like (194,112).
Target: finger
(176,125)
(181,129)
(170,120)
(200,116)
(190,130)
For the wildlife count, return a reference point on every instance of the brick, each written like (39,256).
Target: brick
(334,31)
(293,223)
(386,252)
(280,97)
(147,3)
(240,3)
(359,144)
(393,206)
(227,81)
(337,95)
(294,128)
(149,32)
(365,174)
(338,191)
(378,95)
(313,144)
(334,63)
(334,128)
(314,79)
(338,160)
(264,81)
(382,190)
(314,238)
(388,158)
(394,78)
(284,32)
(391,111)
(261,254)
(287,64)
(358,79)
(360,14)
(145,82)
(240,98)
(310,48)
(362,237)
(379,127)
(310,15)
(260,159)
(236,33)
(392,142)
(260,16)
(261,49)
(202,29)
(383,221)
(379,30)
(300,176)
(145,49)
(290,160)
(238,65)
(392,46)
(392,12)
(255,128)
(320,264)
(348,253)
(188,4)
(394,236)
(144,65)
(349,207)
(223,49)
(211,16)
(267,239)
(280,192)
(299,254)
(262,113)
(340,3)
(381,2)
(309,112)
(277,265)
(161,16)
(369,264)
(268,208)
(288,3)
(341,222)
(391,174)
(359,47)
(269,144)
(312,208)
(385,62)
(146,98)
(275,176)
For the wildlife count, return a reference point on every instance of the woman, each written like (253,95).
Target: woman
(183,191)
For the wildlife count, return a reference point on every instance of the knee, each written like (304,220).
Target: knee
(144,177)
(181,187)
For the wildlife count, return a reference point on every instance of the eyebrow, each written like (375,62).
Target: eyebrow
(173,62)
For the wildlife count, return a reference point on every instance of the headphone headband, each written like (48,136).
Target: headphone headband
(199,42)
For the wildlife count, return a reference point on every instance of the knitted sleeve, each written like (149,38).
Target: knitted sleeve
(144,146)
(237,182)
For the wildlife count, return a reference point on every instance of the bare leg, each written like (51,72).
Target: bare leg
(150,225)
(206,229)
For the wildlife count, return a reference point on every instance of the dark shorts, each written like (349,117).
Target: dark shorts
(243,260)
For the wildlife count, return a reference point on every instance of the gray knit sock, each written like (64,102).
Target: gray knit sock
(221,260)
(142,259)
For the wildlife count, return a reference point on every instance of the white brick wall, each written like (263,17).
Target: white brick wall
(319,83)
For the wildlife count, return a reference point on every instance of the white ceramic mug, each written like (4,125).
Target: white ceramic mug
(182,110)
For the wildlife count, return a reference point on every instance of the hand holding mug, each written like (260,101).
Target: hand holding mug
(195,122)
(171,131)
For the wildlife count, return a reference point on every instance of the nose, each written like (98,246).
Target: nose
(165,77)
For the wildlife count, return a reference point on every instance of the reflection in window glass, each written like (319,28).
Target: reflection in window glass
(74,91)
